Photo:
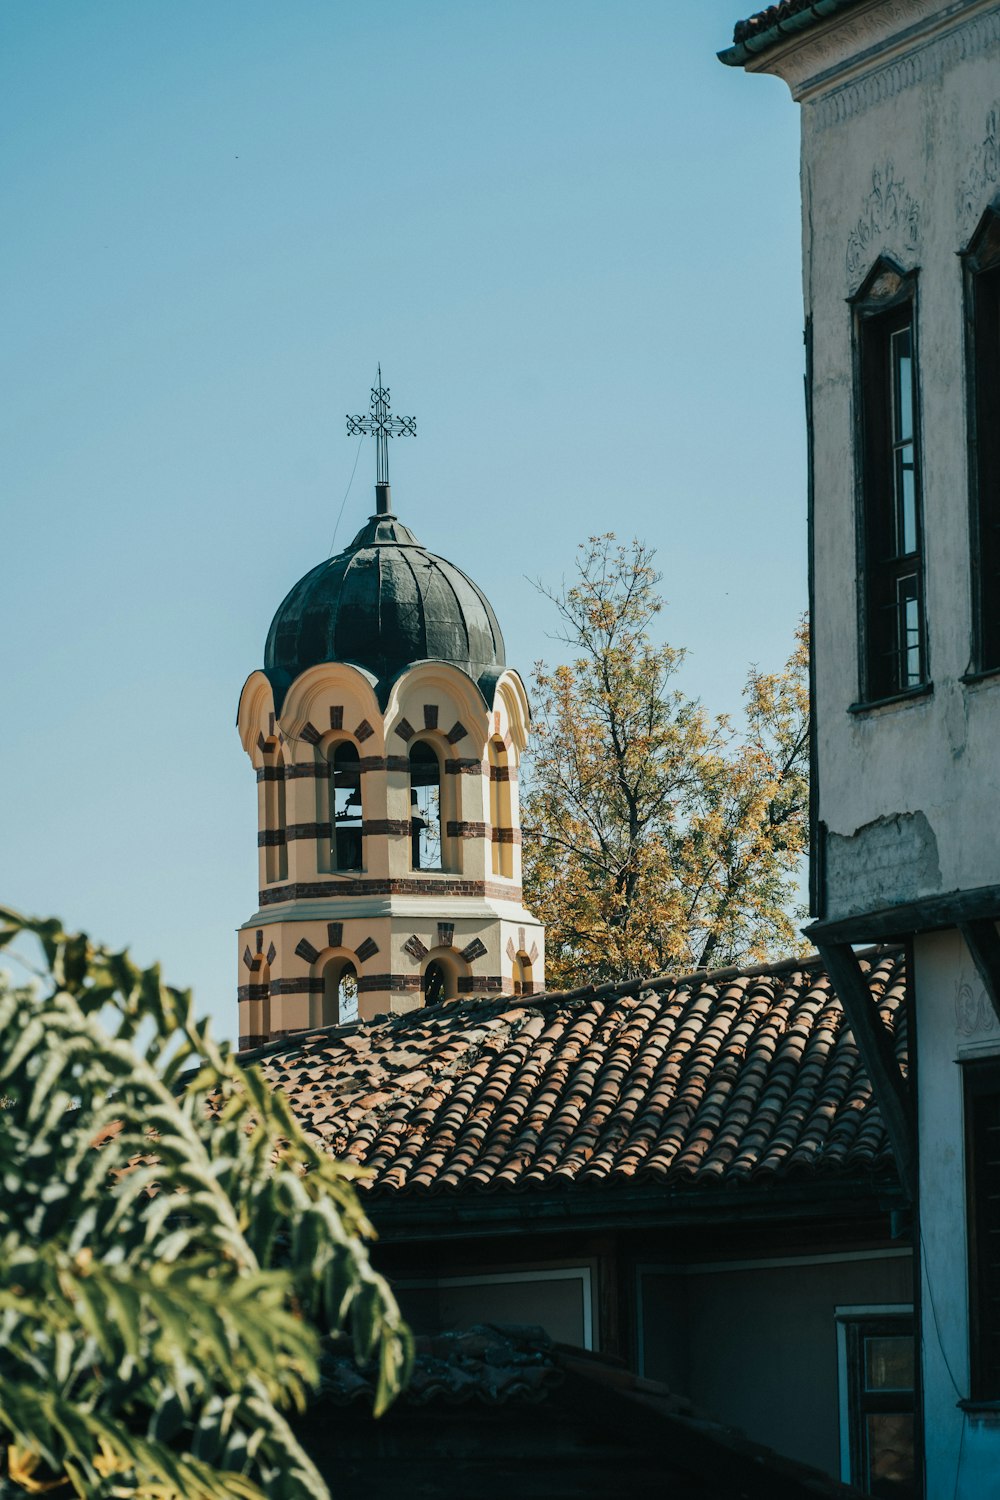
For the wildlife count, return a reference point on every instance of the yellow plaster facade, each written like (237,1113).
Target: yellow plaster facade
(407,930)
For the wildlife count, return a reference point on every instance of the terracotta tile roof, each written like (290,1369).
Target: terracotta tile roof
(497,1410)
(721,1079)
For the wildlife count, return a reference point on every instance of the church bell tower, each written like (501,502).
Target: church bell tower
(386,731)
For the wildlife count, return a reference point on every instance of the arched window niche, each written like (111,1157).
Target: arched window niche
(501,817)
(426,832)
(339,1000)
(275,847)
(260,1002)
(522,975)
(345,806)
(440,978)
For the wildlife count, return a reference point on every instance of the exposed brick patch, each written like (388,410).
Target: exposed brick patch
(496,723)
(446,934)
(508,740)
(511,950)
(311,734)
(430,716)
(367,950)
(466,830)
(253,992)
(270,838)
(369,982)
(457,732)
(270,773)
(385,825)
(308,831)
(478,984)
(335,934)
(500,773)
(533,953)
(251,1040)
(305,949)
(272,954)
(309,890)
(506,835)
(363,732)
(468,766)
(315,770)
(247,961)
(415,948)
(261,743)
(473,950)
(337,716)
(405,729)
(520,939)
(309,985)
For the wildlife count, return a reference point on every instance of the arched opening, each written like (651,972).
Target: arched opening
(259,1028)
(501,820)
(425,807)
(522,976)
(340,992)
(442,973)
(345,806)
(275,847)
(435,984)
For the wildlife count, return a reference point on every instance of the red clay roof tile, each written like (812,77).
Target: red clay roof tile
(712,1081)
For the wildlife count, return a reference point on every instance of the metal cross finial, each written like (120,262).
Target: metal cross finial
(381,426)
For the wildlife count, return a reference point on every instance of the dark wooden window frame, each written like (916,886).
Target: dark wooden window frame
(863,1402)
(885,304)
(981,277)
(981,1084)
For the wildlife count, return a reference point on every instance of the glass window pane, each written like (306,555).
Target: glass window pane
(889,1362)
(891,1466)
(906,501)
(908,628)
(902,368)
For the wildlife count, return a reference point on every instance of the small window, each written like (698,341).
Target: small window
(345,809)
(982,1164)
(879,1375)
(435,984)
(425,807)
(982,301)
(893,636)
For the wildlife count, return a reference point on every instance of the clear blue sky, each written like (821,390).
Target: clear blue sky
(571,237)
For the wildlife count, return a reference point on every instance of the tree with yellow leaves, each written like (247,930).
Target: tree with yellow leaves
(657,838)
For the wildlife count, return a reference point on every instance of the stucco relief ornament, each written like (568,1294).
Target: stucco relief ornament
(984,171)
(888,213)
(973,1012)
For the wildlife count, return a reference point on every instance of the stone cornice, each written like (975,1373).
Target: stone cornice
(872,52)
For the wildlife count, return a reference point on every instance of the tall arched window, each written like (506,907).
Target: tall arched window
(425,807)
(345,806)
(275,848)
(501,819)
(340,992)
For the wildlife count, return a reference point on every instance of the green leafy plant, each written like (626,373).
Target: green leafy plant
(172,1247)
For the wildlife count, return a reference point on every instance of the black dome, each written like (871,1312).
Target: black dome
(383,604)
